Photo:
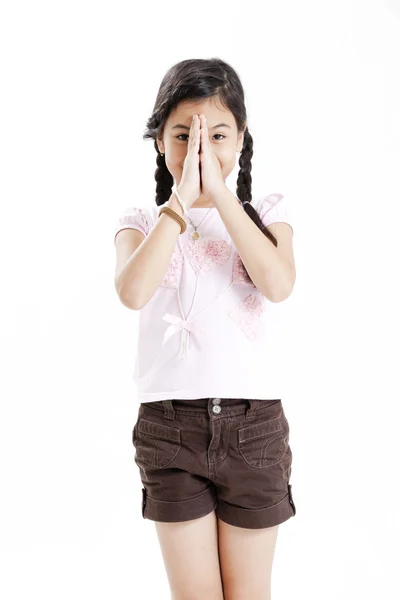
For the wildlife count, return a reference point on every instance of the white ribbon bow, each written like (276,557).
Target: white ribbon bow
(179,324)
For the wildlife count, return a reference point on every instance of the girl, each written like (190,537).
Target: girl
(208,271)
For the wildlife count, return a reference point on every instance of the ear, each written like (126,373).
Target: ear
(160,145)
(240,139)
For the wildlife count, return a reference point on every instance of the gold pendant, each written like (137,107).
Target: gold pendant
(195,235)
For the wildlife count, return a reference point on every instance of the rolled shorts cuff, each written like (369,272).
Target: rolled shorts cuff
(177,511)
(258,518)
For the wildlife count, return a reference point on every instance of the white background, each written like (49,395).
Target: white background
(79,80)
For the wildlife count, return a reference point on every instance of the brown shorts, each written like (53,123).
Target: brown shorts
(231,455)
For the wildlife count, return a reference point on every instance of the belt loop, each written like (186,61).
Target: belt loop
(251,409)
(169,411)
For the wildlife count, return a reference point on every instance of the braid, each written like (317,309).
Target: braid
(243,189)
(164,179)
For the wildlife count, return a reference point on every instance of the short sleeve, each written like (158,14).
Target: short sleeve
(275,208)
(132,218)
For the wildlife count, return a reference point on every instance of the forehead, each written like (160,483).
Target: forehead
(214,112)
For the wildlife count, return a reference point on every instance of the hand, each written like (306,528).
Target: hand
(212,180)
(189,185)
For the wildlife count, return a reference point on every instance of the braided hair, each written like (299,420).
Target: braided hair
(195,79)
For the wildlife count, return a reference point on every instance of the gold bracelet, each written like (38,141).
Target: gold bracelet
(174,215)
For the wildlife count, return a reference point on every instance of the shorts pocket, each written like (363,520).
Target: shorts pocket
(263,445)
(156,445)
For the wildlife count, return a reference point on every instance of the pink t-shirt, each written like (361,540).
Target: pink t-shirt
(208,331)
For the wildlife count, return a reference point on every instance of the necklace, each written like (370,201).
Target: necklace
(195,235)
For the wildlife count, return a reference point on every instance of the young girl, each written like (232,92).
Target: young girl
(208,271)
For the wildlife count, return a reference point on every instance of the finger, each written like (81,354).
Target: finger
(198,134)
(199,131)
(204,132)
(194,134)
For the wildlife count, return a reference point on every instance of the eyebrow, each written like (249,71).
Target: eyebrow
(180,126)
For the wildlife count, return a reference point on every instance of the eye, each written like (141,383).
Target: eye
(178,136)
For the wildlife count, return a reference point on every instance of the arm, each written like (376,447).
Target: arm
(271,268)
(145,268)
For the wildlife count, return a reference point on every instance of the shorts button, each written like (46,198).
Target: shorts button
(216,401)
(216,409)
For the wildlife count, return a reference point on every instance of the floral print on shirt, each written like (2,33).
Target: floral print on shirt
(205,254)
(174,270)
(248,315)
(239,273)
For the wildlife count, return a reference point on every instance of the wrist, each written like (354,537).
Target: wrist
(174,203)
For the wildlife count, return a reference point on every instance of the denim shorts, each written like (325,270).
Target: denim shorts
(231,455)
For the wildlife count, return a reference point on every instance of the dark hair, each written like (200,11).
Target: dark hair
(194,79)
